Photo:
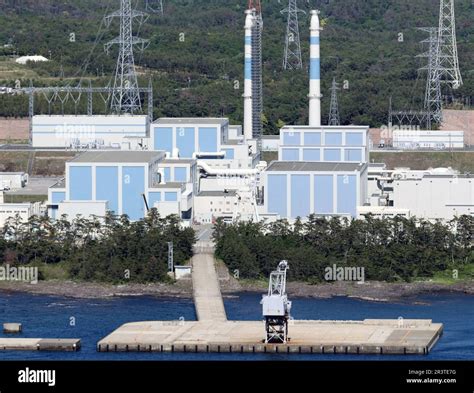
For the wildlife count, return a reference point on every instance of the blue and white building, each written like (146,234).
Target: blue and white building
(122,182)
(321,170)
(324,144)
(298,189)
(189,137)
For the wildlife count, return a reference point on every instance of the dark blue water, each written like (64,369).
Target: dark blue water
(49,317)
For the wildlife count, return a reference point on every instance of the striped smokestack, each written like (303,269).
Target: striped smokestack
(248,96)
(315,73)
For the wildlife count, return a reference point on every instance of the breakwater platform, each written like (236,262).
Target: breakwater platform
(40,344)
(214,333)
(319,337)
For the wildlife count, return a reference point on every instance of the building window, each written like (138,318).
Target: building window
(333,139)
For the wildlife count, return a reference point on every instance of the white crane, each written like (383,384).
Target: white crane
(276,307)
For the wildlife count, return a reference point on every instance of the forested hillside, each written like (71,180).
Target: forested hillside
(196,76)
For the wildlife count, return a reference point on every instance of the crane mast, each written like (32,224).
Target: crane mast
(276,307)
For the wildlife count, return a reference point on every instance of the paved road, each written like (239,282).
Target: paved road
(207,294)
(204,232)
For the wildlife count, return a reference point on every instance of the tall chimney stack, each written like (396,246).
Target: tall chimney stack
(315,72)
(248,94)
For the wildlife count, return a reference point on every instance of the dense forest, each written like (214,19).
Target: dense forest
(116,250)
(395,249)
(195,54)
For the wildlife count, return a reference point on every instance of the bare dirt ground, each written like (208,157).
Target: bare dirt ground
(14,129)
(87,290)
(455,120)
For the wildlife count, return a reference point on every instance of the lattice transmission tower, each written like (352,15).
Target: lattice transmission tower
(125,91)
(292,59)
(443,68)
(448,50)
(433,98)
(334,118)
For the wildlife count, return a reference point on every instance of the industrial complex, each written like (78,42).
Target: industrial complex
(171,185)
(202,169)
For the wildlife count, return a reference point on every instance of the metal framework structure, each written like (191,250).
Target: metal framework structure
(126,95)
(292,59)
(334,118)
(443,67)
(277,307)
(155,6)
(447,46)
(257,76)
(432,110)
(170,256)
(409,117)
(433,98)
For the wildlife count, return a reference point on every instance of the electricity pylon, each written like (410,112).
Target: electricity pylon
(292,58)
(433,99)
(448,50)
(126,94)
(334,119)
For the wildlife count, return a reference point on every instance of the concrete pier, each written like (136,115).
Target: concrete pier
(318,337)
(39,344)
(206,290)
(214,333)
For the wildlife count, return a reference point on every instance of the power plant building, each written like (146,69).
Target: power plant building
(119,182)
(298,189)
(88,132)
(324,144)
(321,169)
(438,140)
(201,169)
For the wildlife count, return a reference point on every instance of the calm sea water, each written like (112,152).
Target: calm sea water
(50,317)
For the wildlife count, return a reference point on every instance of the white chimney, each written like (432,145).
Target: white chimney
(315,72)
(248,104)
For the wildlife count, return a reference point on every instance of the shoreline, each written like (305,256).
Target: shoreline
(369,291)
